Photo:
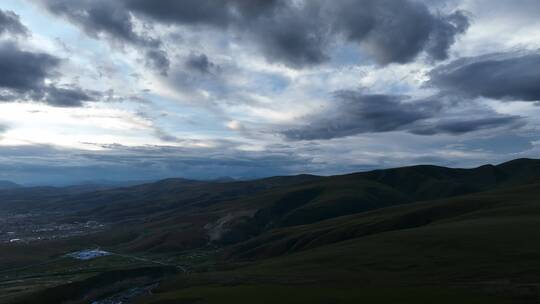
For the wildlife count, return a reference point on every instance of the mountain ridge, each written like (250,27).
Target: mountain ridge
(5,184)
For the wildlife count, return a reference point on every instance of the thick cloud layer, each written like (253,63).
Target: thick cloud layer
(297,37)
(24,71)
(47,164)
(444,34)
(355,113)
(510,76)
(297,34)
(24,77)
(203,12)
(158,59)
(462,126)
(112,21)
(397,31)
(199,63)
(10,23)
(69,96)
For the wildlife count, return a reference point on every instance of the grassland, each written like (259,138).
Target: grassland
(440,236)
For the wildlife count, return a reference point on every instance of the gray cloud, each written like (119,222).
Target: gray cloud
(297,37)
(444,34)
(189,12)
(203,12)
(197,72)
(69,96)
(199,63)
(110,20)
(23,78)
(158,59)
(49,164)
(24,71)
(99,18)
(470,124)
(510,76)
(284,32)
(398,31)
(10,23)
(297,34)
(354,113)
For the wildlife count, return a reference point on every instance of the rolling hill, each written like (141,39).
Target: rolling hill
(8,185)
(418,234)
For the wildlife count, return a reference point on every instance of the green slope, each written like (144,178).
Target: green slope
(472,249)
(421,234)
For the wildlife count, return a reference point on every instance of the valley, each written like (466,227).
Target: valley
(403,235)
(34,227)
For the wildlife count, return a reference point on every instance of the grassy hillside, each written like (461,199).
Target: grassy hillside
(336,196)
(420,234)
(470,249)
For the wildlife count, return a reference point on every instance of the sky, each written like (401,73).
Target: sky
(142,90)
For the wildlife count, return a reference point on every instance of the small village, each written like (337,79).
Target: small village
(33,227)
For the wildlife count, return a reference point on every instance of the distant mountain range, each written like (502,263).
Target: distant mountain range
(94,182)
(8,185)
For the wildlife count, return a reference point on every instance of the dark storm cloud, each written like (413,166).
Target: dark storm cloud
(199,63)
(356,113)
(444,34)
(297,34)
(24,71)
(398,31)
(10,23)
(511,76)
(110,20)
(202,12)
(23,78)
(189,11)
(157,59)
(69,96)
(99,18)
(293,36)
(466,125)
(285,33)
